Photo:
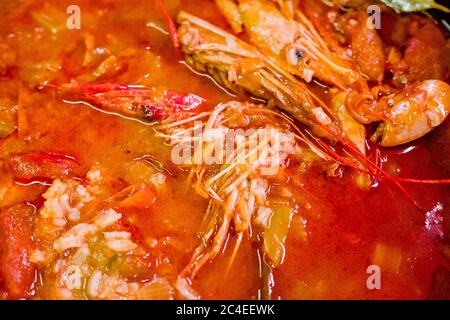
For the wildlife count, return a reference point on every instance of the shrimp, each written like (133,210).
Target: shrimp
(242,69)
(293,39)
(414,112)
(297,43)
(137,101)
(238,188)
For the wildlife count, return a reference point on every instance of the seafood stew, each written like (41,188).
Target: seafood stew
(224,149)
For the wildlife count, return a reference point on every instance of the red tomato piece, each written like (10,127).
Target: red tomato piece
(16,270)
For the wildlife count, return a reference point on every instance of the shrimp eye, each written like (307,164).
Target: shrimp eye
(295,55)
(299,53)
(148,111)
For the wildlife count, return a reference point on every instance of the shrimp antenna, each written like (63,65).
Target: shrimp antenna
(172,29)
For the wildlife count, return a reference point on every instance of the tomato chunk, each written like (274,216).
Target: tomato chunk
(16,271)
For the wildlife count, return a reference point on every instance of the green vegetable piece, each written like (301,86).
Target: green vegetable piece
(275,235)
